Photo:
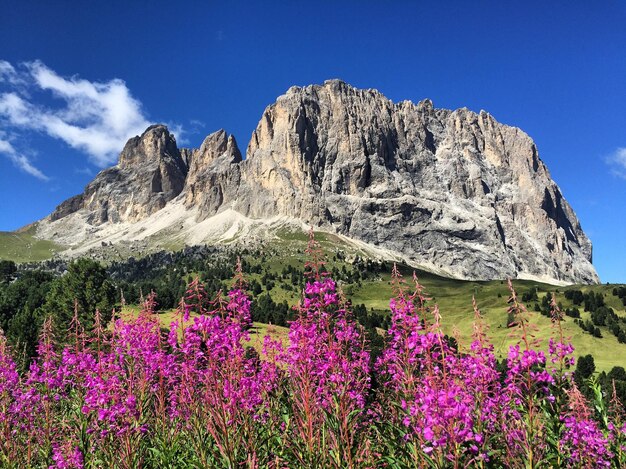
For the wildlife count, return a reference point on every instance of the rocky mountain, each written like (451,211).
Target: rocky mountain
(150,173)
(452,191)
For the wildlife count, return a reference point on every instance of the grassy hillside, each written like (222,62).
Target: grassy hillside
(454,298)
(24,247)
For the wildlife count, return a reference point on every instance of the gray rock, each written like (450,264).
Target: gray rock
(452,190)
(186,154)
(214,172)
(150,173)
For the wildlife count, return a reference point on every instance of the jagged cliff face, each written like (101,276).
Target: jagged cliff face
(452,190)
(456,189)
(214,171)
(150,173)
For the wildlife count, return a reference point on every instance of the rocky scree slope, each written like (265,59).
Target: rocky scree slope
(453,191)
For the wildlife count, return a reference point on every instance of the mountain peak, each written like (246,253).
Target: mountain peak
(150,172)
(452,191)
(155,144)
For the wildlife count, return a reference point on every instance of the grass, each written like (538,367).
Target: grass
(24,247)
(454,298)
(260,330)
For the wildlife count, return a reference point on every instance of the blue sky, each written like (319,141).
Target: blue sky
(78,78)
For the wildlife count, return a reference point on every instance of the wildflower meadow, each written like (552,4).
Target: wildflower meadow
(132,394)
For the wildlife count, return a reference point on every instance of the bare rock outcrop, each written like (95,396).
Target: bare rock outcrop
(455,190)
(452,190)
(150,173)
(214,174)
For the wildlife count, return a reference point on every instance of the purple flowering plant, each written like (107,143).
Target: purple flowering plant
(132,394)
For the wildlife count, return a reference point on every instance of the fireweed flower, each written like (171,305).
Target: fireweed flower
(327,347)
(220,387)
(447,401)
(328,374)
(67,457)
(583,444)
(9,390)
(121,395)
(9,379)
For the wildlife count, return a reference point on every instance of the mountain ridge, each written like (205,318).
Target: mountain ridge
(453,190)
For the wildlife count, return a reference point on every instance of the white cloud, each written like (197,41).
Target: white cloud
(20,160)
(617,161)
(95,118)
(179,133)
(8,73)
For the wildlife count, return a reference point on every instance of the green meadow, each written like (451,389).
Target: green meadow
(24,247)
(454,297)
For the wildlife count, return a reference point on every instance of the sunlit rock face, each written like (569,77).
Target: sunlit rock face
(214,174)
(150,172)
(453,190)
